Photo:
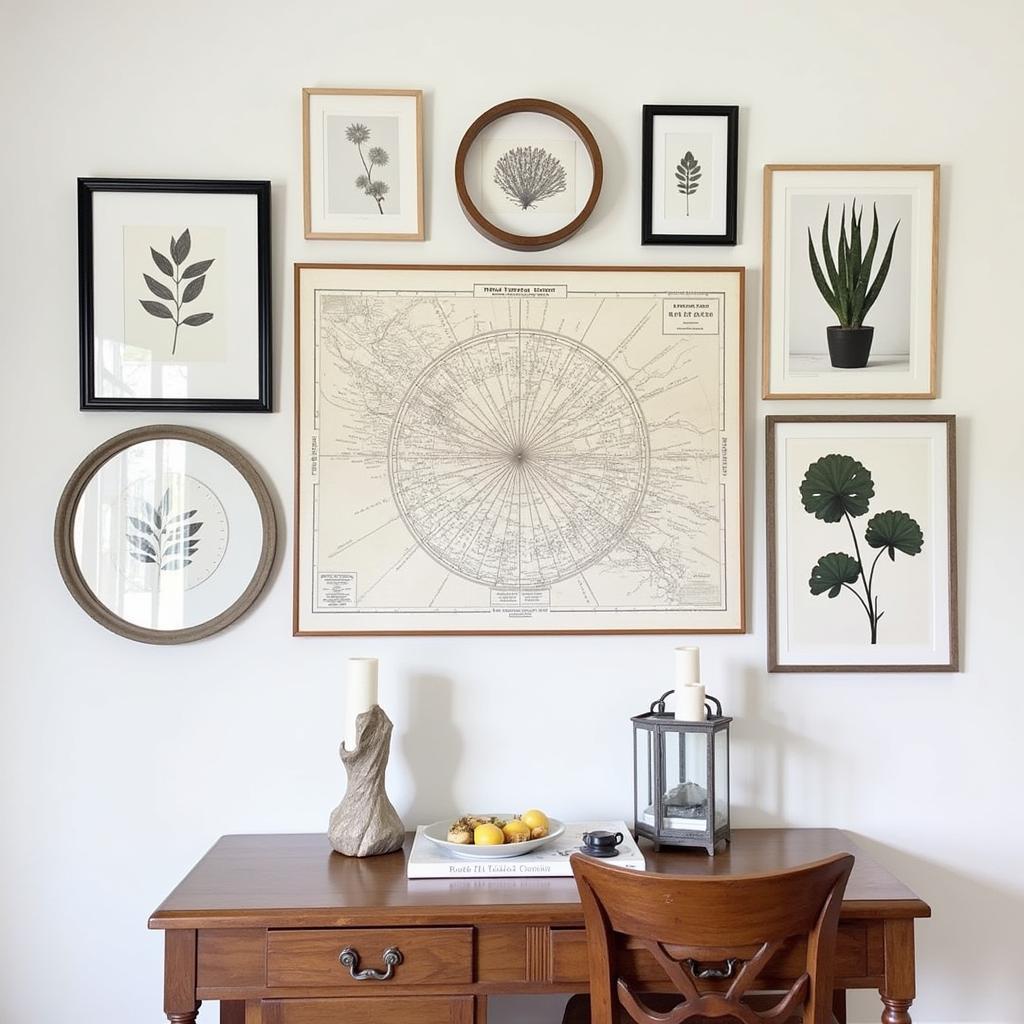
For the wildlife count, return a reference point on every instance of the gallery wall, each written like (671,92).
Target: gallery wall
(121,763)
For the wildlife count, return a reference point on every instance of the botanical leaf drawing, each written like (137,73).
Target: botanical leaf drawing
(838,487)
(688,177)
(375,156)
(528,175)
(195,275)
(162,536)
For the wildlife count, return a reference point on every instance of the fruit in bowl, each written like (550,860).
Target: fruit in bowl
(485,830)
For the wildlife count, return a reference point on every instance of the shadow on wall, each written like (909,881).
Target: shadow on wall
(432,748)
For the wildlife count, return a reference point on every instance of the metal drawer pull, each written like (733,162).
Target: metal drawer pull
(704,973)
(350,958)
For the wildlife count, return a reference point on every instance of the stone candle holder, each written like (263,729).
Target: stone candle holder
(365,823)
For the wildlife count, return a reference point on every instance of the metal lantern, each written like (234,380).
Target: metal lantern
(681,777)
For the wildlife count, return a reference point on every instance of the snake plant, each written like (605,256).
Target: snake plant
(847,289)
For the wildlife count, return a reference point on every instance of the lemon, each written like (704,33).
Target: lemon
(535,819)
(488,835)
(516,831)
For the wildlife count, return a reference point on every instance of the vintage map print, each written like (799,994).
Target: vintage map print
(518,450)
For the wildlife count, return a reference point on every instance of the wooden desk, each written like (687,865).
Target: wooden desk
(260,921)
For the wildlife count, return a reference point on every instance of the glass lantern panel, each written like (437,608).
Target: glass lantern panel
(685,799)
(721,778)
(644,739)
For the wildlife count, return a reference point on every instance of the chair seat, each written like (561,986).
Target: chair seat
(577,1010)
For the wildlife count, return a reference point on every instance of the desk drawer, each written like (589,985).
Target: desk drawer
(357,1010)
(310,957)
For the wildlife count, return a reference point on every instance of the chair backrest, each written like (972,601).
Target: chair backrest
(713,936)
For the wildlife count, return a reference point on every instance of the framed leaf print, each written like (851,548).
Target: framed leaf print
(862,565)
(165,534)
(174,294)
(689,175)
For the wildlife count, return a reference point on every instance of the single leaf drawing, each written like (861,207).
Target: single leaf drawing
(838,487)
(688,175)
(162,535)
(528,175)
(193,277)
(375,156)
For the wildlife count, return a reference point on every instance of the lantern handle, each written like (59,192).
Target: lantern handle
(708,700)
(658,706)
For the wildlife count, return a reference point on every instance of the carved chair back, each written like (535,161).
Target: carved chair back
(713,936)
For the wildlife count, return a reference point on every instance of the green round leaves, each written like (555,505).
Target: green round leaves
(895,531)
(832,571)
(834,486)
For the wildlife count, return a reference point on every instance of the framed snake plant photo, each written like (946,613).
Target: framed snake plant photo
(862,564)
(689,162)
(174,294)
(850,273)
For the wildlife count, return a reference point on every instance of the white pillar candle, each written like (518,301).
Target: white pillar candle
(690,703)
(360,694)
(687,666)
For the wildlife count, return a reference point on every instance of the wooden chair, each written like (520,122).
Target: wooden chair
(713,936)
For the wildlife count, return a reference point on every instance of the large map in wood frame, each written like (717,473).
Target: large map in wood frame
(510,449)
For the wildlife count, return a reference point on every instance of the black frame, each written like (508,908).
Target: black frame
(88,399)
(732,116)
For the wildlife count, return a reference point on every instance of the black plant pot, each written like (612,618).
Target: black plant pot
(849,347)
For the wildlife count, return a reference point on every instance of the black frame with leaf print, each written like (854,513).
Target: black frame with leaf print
(89,400)
(732,115)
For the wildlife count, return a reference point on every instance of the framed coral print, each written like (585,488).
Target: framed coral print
(862,566)
(165,534)
(850,280)
(362,156)
(174,294)
(689,175)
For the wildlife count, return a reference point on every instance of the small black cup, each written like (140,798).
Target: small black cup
(601,843)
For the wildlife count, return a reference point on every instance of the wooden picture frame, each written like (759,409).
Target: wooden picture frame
(125,274)
(377,438)
(856,489)
(404,107)
(486,225)
(910,290)
(716,176)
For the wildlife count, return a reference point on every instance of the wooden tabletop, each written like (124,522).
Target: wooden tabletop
(298,881)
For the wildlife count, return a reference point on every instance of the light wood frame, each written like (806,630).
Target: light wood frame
(416,236)
(766,284)
(737,454)
(953,665)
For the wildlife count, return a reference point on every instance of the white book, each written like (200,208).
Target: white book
(428,860)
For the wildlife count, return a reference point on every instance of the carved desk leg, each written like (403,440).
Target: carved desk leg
(180,1003)
(898,991)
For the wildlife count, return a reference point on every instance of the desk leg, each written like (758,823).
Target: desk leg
(898,991)
(839,1005)
(180,1003)
(232,1012)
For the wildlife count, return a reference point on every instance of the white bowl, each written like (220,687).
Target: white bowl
(437,832)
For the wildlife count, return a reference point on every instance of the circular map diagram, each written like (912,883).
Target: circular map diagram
(518,459)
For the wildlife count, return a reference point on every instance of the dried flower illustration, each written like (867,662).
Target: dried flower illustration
(688,177)
(161,536)
(375,156)
(193,277)
(528,175)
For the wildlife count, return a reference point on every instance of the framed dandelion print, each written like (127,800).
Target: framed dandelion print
(174,294)
(165,534)
(362,152)
(528,174)
(862,565)
(689,161)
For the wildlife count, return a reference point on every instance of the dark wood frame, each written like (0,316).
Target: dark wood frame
(953,665)
(508,239)
(732,116)
(87,376)
(64,547)
(739,451)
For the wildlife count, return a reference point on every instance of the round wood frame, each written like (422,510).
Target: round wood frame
(63,534)
(527,243)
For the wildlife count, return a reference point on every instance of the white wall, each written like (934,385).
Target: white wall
(121,763)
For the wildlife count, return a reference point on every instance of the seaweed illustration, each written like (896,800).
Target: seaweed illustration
(375,156)
(838,487)
(193,277)
(528,175)
(162,537)
(688,177)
